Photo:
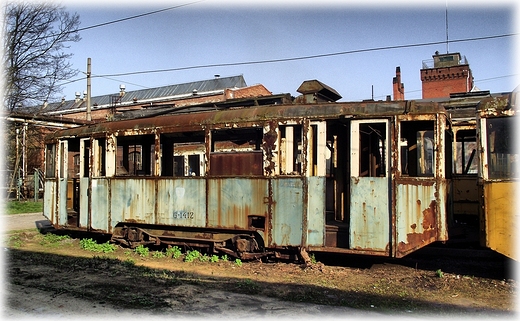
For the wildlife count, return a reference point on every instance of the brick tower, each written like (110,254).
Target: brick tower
(398,86)
(449,74)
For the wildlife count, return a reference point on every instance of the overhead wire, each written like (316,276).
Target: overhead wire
(107,76)
(296,58)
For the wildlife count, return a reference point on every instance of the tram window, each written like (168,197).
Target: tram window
(178,150)
(236,151)
(417,148)
(372,149)
(50,161)
(502,156)
(291,149)
(99,150)
(75,167)
(194,165)
(134,155)
(466,161)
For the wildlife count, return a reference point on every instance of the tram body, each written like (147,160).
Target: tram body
(499,173)
(366,178)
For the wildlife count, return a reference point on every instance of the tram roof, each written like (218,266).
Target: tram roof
(253,115)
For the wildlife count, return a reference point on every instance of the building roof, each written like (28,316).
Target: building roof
(170,92)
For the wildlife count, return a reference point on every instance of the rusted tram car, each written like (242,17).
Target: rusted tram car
(367,178)
(499,173)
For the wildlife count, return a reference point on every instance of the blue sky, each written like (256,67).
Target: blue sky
(225,32)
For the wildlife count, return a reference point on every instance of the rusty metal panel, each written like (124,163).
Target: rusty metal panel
(237,163)
(443,190)
(316,211)
(232,200)
(132,200)
(416,216)
(181,202)
(100,204)
(369,219)
(287,212)
(501,217)
(49,200)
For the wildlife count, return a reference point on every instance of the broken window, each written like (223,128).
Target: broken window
(291,149)
(417,148)
(372,154)
(502,156)
(50,161)
(135,155)
(466,161)
(99,148)
(182,154)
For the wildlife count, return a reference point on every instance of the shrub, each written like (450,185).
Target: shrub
(49,239)
(142,250)
(191,256)
(174,252)
(93,246)
(158,254)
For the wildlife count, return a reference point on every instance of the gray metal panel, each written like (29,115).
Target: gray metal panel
(369,218)
(100,204)
(62,201)
(181,202)
(287,211)
(316,211)
(83,202)
(49,200)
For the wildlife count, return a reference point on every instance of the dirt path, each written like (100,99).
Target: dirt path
(60,280)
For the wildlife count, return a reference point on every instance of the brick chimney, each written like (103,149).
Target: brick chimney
(398,86)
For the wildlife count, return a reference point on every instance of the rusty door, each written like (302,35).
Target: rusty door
(369,186)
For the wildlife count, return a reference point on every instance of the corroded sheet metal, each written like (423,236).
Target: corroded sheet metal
(416,216)
(232,200)
(132,200)
(316,211)
(369,219)
(181,202)
(193,121)
(501,217)
(238,163)
(287,220)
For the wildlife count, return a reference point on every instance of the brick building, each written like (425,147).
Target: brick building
(445,74)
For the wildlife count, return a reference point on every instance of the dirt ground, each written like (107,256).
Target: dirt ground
(61,279)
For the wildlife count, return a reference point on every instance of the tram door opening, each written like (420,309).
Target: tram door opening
(369,220)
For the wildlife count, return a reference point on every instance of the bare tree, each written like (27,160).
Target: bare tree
(36,36)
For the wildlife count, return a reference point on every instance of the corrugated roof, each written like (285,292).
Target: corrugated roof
(151,93)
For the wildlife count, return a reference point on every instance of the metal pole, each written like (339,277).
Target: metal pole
(89,116)
(24,160)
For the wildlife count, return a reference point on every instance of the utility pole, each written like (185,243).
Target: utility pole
(89,116)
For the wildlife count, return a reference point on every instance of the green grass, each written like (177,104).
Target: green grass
(19,207)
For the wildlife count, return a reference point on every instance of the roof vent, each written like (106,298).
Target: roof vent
(194,92)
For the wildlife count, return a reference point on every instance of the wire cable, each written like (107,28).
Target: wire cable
(303,57)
